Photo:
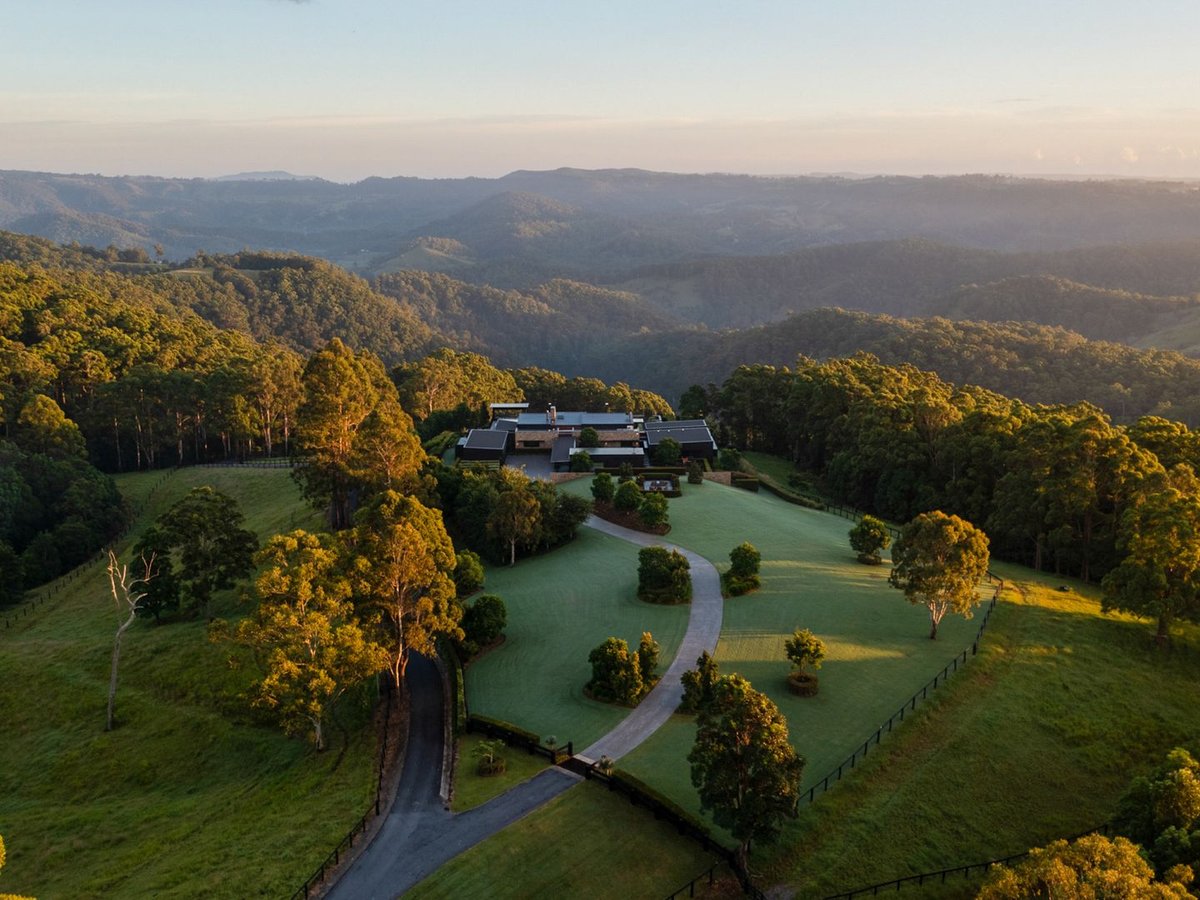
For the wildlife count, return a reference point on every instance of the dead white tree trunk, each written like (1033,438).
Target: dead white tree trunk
(124,595)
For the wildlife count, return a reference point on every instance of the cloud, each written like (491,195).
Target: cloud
(1129,155)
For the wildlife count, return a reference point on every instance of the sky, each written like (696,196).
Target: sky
(346,89)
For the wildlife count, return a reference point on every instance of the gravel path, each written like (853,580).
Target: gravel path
(420,835)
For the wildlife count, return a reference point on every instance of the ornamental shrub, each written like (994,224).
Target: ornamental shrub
(628,496)
(602,488)
(664,576)
(653,510)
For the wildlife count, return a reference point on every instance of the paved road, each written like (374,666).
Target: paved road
(420,835)
(704,627)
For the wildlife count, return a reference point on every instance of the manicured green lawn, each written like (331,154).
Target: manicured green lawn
(585,843)
(560,607)
(187,797)
(878,649)
(472,789)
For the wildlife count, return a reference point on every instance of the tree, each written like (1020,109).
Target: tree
(127,593)
(695,402)
(938,562)
(744,563)
(483,623)
(516,517)
(204,529)
(581,462)
(647,658)
(868,537)
(1159,578)
(161,586)
(664,576)
(401,563)
(699,683)
(742,764)
(804,649)
(653,510)
(340,392)
(695,473)
(588,437)
(616,673)
(628,496)
(602,488)
(468,573)
(1091,867)
(43,428)
(1161,811)
(304,634)
(669,452)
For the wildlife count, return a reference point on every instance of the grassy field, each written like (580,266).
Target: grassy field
(585,843)
(1037,739)
(187,797)
(472,789)
(561,606)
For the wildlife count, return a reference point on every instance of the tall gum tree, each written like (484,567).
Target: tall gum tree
(938,561)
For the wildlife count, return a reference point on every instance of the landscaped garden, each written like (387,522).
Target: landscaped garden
(188,796)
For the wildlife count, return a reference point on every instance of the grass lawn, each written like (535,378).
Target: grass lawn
(187,797)
(585,843)
(1036,740)
(560,607)
(472,789)
(878,649)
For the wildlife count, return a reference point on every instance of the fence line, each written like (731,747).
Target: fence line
(39,595)
(510,734)
(689,889)
(908,707)
(940,876)
(334,858)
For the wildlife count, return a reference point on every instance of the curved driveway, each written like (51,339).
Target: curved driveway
(420,835)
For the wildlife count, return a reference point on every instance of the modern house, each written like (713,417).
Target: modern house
(623,438)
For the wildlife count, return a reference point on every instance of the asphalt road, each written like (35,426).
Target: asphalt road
(420,835)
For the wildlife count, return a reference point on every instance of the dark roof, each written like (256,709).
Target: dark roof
(504,425)
(486,439)
(561,451)
(652,425)
(689,435)
(533,421)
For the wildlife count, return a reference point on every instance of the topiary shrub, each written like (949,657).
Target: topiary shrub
(695,472)
(664,576)
(742,576)
(582,462)
(653,511)
(628,496)
(698,684)
(588,437)
(603,488)
(617,675)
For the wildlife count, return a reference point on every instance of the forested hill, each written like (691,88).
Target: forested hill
(1035,363)
(593,219)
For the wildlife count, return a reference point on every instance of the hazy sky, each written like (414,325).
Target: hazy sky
(350,88)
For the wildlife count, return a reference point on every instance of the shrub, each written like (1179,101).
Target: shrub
(483,622)
(698,684)
(668,452)
(653,510)
(628,496)
(647,656)
(664,576)
(581,462)
(695,472)
(624,471)
(468,573)
(588,437)
(602,488)
(616,673)
(742,577)
(490,756)
(868,537)
(729,460)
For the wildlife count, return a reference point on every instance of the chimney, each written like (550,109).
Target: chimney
(552,415)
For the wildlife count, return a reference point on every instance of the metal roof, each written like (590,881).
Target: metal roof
(561,451)
(652,425)
(486,439)
(530,421)
(689,435)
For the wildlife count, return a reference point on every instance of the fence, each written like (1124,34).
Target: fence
(689,889)
(909,706)
(40,595)
(334,858)
(527,740)
(274,462)
(940,876)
